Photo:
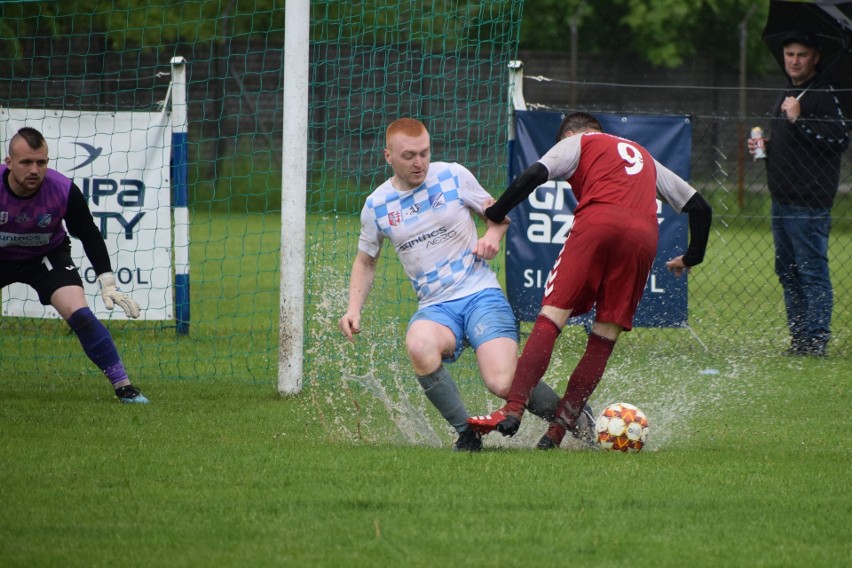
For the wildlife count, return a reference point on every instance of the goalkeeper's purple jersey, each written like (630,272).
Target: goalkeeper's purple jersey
(433,233)
(32,226)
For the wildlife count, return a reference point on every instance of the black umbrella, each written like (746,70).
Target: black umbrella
(830,23)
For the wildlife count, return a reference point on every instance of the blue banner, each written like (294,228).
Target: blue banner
(541,224)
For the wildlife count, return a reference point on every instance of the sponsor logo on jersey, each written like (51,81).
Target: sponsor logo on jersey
(448,236)
(425,237)
(412,211)
(437,200)
(25,240)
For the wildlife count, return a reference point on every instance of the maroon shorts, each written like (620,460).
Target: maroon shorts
(604,264)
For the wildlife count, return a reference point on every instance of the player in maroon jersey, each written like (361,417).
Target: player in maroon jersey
(605,262)
(37,205)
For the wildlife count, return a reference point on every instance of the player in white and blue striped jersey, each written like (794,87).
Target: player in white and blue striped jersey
(424,210)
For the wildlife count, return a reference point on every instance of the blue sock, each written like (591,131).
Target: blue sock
(98,344)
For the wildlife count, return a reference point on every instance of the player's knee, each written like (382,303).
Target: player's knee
(500,389)
(607,330)
(557,315)
(423,353)
(497,378)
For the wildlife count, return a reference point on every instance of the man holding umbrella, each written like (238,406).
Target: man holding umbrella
(808,135)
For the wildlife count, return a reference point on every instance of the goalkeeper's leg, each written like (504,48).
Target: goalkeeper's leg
(96,341)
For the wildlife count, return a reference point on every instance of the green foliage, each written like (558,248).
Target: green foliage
(546,24)
(657,26)
(149,24)
(663,32)
(436,24)
(145,23)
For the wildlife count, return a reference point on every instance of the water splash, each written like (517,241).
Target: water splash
(409,420)
(673,386)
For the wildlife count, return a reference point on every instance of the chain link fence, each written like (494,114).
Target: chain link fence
(735,300)
(735,296)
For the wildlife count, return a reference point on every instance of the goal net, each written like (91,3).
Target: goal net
(369,63)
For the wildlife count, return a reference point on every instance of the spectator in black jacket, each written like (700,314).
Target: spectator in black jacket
(808,136)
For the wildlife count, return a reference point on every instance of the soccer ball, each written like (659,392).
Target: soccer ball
(622,427)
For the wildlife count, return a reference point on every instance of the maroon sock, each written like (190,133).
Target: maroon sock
(586,376)
(532,364)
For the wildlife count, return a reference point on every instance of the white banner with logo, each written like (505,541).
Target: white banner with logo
(120,161)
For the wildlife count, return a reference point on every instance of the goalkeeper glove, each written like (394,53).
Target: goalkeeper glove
(113,296)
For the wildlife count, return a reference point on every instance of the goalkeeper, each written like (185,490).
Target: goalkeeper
(424,210)
(35,250)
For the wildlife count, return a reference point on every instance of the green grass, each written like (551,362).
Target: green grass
(747,462)
(753,473)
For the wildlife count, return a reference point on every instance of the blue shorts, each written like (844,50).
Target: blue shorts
(473,319)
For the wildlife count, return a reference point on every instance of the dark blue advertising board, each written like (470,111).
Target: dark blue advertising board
(540,224)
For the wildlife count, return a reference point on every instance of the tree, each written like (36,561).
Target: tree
(663,32)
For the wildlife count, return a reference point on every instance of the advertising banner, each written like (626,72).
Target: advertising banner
(541,224)
(120,161)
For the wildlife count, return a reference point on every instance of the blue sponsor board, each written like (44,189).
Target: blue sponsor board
(541,223)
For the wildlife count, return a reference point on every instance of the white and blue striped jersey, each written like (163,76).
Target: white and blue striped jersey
(433,233)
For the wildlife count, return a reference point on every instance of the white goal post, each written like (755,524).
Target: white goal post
(294,164)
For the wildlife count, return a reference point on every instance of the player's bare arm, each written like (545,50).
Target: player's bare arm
(487,247)
(489,244)
(360,284)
